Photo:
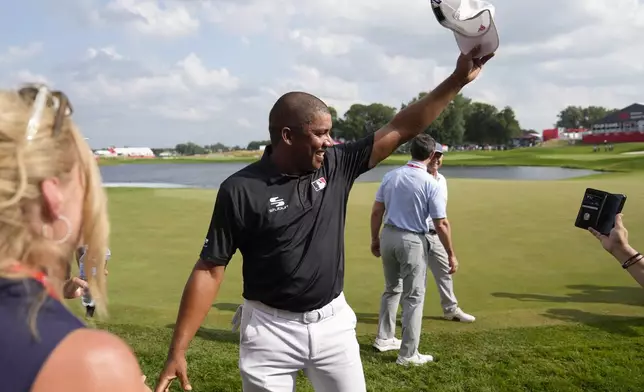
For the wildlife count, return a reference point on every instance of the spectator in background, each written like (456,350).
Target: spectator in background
(616,243)
(408,195)
(86,297)
(438,258)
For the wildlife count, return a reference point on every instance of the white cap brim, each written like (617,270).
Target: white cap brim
(471,21)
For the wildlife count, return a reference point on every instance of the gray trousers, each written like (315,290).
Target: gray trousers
(404,262)
(439,265)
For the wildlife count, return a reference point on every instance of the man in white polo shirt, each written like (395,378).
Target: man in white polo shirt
(408,195)
(438,259)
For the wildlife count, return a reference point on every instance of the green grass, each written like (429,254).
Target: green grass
(554,311)
(580,157)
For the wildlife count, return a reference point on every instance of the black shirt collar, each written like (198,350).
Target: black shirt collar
(272,172)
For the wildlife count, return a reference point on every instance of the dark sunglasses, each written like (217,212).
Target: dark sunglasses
(40,96)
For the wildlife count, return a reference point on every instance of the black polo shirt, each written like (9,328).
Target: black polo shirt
(289,229)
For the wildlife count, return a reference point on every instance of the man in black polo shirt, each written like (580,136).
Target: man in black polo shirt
(286,216)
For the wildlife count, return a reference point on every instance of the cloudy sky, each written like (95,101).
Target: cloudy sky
(156,73)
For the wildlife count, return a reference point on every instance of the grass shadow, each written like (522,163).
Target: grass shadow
(216,335)
(627,326)
(586,294)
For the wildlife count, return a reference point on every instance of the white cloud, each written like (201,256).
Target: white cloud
(546,60)
(150,17)
(187,91)
(247,17)
(14,54)
(242,122)
(26,76)
(109,52)
(325,44)
(580,52)
(333,90)
(194,72)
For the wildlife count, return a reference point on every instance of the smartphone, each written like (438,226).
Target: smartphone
(598,210)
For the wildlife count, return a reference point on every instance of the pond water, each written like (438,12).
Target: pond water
(211,175)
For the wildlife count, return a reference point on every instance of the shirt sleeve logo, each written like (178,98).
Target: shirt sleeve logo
(319,184)
(276,204)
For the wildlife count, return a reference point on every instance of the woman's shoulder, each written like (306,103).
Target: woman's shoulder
(90,359)
(33,324)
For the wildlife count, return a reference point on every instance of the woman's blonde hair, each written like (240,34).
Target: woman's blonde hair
(28,158)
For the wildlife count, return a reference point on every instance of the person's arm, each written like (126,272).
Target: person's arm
(438,214)
(203,285)
(636,269)
(207,275)
(377,212)
(198,295)
(91,360)
(444,232)
(616,243)
(415,118)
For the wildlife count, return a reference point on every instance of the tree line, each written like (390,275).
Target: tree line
(463,122)
(582,117)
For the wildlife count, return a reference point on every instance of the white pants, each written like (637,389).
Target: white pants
(275,344)
(439,265)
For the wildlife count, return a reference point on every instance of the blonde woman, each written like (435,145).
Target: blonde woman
(50,196)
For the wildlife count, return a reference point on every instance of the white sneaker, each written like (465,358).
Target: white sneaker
(459,315)
(387,344)
(415,360)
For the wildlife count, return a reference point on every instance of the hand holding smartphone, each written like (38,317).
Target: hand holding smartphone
(598,210)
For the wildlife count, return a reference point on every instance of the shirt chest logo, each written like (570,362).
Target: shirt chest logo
(319,184)
(276,204)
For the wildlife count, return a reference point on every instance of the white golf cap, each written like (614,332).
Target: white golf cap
(472,22)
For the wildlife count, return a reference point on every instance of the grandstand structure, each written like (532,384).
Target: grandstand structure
(125,152)
(624,126)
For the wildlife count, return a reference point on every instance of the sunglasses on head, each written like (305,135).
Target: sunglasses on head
(40,96)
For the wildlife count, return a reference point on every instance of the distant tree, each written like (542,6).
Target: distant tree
(189,148)
(481,124)
(254,145)
(581,117)
(361,120)
(217,147)
(449,127)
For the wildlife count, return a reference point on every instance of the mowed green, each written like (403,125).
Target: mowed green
(554,311)
(625,157)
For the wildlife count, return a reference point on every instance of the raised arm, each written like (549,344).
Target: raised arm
(416,117)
